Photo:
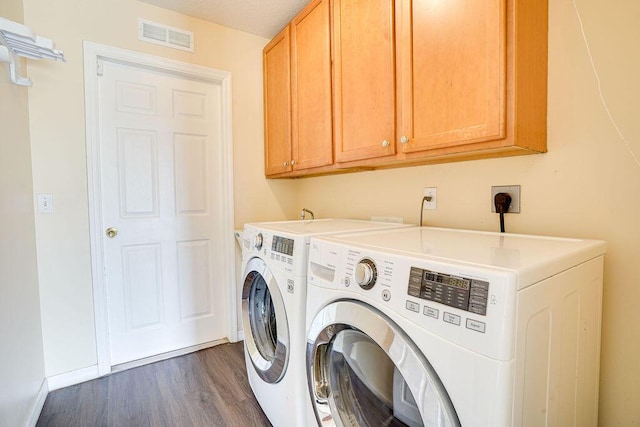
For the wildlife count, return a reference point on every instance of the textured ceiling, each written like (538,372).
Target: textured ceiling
(260,17)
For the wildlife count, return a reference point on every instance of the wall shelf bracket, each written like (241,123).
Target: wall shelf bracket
(17,40)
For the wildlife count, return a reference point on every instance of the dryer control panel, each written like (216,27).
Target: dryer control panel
(282,245)
(455,291)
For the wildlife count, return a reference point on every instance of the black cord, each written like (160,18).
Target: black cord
(424,199)
(502,202)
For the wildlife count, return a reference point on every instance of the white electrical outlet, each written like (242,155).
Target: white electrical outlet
(45,203)
(511,190)
(430,203)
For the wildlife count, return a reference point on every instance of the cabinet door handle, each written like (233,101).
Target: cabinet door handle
(385,143)
(293,162)
(404,139)
(285,164)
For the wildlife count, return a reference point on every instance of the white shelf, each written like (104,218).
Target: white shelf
(17,40)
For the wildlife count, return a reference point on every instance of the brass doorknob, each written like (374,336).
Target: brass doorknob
(111,232)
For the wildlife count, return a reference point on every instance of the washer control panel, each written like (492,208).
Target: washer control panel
(283,252)
(465,304)
(282,245)
(366,273)
(454,291)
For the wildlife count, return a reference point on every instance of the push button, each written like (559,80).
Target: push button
(413,306)
(431,312)
(475,325)
(451,318)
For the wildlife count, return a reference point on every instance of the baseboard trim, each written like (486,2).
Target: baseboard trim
(36,409)
(91,373)
(164,356)
(241,335)
(72,378)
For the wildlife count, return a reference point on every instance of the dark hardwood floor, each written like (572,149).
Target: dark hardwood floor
(205,388)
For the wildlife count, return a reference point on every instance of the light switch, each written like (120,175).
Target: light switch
(45,203)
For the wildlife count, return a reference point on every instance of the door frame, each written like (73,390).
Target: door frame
(93,53)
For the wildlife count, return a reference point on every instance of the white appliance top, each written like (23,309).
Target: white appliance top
(531,258)
(316,227)
(285,244)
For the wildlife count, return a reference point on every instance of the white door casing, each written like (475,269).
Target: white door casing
(161,174)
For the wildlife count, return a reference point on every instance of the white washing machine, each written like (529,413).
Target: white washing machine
(274,262)
(440,327)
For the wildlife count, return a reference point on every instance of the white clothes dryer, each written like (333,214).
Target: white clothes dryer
(438,327)
(274,262)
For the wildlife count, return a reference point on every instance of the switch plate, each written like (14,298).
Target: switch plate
(430,192)
(45,203)
(511,190)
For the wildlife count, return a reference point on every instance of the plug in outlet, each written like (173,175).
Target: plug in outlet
(511,190)
(430,204)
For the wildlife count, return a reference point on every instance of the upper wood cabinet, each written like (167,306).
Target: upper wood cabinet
(297,91)
(452,67)
(364,92)
(472,78)
(311,87)
(412,82)
(277,104)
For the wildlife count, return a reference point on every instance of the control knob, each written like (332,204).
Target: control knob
(257,241)
(366,273)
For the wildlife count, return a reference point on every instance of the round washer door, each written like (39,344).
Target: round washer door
(363,370)
(264,321)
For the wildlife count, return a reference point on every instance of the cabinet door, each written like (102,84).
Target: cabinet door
(452,72)
(277,105)
(364,79)
(311,87)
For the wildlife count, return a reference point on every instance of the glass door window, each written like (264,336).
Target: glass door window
(365,371)
(265,322)
(366,388)
(262,317)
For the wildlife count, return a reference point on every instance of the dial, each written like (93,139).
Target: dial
(257,241)
(366,273)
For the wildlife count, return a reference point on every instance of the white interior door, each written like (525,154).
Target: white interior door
(160,142)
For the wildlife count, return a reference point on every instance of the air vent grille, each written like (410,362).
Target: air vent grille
(164,35)
(180,39)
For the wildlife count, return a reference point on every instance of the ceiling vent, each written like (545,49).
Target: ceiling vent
(164,35)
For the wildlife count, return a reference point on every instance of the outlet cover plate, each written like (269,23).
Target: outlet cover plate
(513,191)
(44,203)
(430,192)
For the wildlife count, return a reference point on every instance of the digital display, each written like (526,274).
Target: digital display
(282,245)
(457,282)
(454,291)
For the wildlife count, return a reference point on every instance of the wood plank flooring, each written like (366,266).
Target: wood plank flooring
(205,388)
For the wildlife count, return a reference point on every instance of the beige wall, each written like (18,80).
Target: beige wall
(587,185)
(21,357)
(56,104)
